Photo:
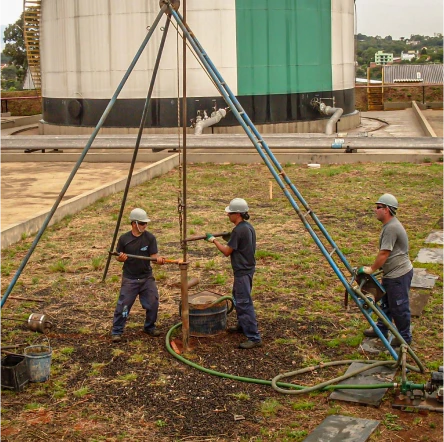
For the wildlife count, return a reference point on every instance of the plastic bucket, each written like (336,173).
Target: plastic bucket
(38,362)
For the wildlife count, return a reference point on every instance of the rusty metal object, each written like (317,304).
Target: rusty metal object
(191,283)
(198,237)
(148,258)
(370,285)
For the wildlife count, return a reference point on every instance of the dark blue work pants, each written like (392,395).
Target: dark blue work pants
(395,304)
(243,303)
(149,299)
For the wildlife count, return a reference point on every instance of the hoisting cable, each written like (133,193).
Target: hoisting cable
(82,156)
(179,187)
(139,137)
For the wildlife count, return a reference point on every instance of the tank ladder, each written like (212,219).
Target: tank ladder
(31,32)
(325,243)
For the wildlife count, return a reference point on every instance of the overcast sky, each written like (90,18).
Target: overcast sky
(398,18)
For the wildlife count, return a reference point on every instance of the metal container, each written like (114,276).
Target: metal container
(38,362)
(206,318)
(14,372)
(39,323)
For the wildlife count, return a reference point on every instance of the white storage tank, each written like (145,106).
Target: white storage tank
(275,56)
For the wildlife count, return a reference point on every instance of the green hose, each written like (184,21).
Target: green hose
(324,386)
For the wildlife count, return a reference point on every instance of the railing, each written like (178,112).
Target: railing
(6,100)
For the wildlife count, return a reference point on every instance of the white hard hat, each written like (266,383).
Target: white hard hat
(139,215)
(238,205)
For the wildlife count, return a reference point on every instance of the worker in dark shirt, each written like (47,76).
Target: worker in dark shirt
(137,278)
(241,248)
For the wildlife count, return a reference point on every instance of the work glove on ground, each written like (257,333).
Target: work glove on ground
(209,237)
(365,269)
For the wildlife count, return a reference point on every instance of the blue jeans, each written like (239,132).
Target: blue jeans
(395,304)
(243,303)
(149,299)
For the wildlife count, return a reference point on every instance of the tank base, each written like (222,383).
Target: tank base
(346,122)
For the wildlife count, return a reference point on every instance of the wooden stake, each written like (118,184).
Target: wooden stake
(271,189)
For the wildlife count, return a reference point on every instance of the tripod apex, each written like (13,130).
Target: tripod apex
(175,4)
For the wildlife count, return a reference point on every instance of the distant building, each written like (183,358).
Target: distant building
(383,58)
(412,42)
(413,73)
(409,55)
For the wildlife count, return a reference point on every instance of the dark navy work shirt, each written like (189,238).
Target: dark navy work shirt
(143,245)
(243,243)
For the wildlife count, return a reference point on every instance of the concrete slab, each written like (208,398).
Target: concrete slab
(430,256)
(435,119)
(423,280)
(417,302)
(401,123)
(372,346)
(376,375)
(435,237)
(343,428)
(38,185)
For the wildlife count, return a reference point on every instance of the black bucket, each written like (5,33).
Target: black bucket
(14,372)
(206,318)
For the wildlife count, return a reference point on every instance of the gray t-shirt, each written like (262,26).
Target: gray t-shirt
(394,238)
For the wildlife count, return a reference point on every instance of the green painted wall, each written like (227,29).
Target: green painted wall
(283,46)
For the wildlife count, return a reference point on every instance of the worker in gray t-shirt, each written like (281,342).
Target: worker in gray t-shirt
(393,258)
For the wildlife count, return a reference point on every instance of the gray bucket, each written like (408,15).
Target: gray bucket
(38,362)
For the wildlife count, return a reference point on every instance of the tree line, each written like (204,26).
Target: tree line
(430,49)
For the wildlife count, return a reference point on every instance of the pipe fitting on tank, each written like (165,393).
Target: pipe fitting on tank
(335,113)
(214,119)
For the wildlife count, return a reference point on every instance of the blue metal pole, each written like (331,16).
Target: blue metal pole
(82,156)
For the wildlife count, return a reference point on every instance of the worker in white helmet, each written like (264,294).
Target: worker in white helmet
(241,248)
(137,277)
(393,258)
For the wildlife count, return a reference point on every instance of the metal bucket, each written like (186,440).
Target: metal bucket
(38,362)
(206,318)
(38,323)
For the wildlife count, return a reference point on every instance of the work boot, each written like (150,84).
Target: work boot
(250,344)
(153,332)
(370,333)
(116,338)
(235,329)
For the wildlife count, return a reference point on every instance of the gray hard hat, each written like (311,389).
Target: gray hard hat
(238,205)
(139,215)
(388,200)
